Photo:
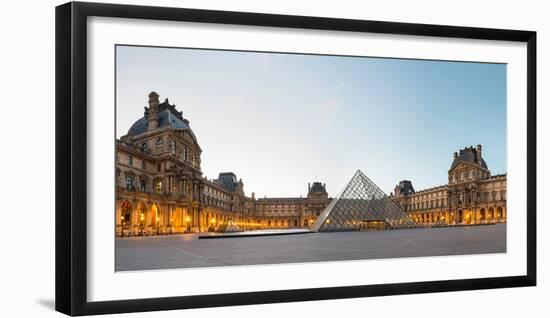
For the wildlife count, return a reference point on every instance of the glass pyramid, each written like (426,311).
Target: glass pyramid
(361,206)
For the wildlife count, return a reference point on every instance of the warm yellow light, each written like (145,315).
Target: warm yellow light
(213,221)
(122,217)
(328,221)
(158,219)
(187,219)
(142,217)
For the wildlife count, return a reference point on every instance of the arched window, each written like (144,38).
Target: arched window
(130,160)
(144,147)
(173,147)
(125,211)
(159,145)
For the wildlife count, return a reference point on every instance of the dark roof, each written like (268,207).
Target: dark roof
(317,187)
(167,116)
(469,155)
(406,187)
(227,180)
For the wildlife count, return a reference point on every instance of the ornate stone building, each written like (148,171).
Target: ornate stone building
(160,188)
(471,196)
(293,212)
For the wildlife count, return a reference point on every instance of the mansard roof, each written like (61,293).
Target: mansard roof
(468,155)
(317,187)
(228,181)
(406,187)
(168,116)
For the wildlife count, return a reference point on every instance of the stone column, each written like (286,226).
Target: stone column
(171,217)
(198,218)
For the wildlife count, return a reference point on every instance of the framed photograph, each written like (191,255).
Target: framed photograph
(214,158)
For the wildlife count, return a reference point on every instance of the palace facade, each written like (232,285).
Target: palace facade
(160,188)
(471,196)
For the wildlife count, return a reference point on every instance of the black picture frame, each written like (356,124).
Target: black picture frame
(71,157)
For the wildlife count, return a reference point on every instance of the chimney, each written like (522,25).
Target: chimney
(308,186)
(455,154)
(478,148)
(324,186)
(152,118)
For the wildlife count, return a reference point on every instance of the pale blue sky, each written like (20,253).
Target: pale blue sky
(280,121)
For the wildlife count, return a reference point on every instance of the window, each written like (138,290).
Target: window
(130,160)
(184,154)
(129,182)
(158,167)
(194,159)
(144,147)
(471,174)
(159,145)
(142,185)
(158,187)
(173,147)
(126,210)
(143,165)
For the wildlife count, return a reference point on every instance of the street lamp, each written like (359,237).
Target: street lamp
(158,221)
(141,225)
(171,222)
(187,220)
(121,226)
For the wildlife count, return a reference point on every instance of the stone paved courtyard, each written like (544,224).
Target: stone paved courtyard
(183,251)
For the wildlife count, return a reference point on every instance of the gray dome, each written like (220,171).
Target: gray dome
(317,187)
(165,118)
(468,155)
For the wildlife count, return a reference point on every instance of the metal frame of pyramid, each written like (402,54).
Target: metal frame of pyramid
(360,203)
